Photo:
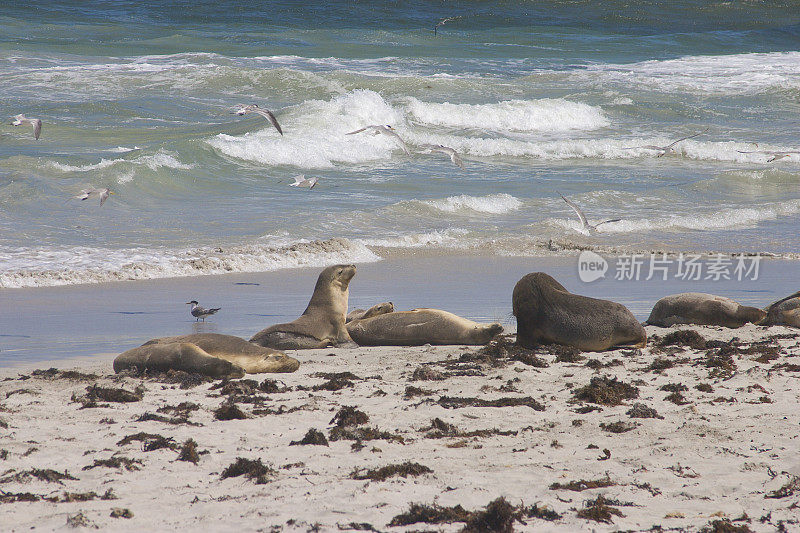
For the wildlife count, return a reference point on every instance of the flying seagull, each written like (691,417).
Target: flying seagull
(93,192)
(445,21)
(303,181)
(19,120)
(591,228)
(385,130)
(775,154)
(445,150)
(664,150)
(266,113)
(201,312)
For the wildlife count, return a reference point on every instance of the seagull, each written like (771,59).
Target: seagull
(303,181)
(445,150)
(664,150)
(775,154)
(445,21)
(19,120)
(93,192)
(592,229)
(266,113)
(385,130)
(201,312)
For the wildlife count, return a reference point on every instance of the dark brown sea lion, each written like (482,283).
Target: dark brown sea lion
(548,313)
(322,323)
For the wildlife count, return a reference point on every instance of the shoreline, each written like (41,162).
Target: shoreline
(84,320)
(720,452)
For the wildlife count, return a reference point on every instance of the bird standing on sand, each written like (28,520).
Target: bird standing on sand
(776,154)
(266,113)
(592,229)
(93,192)
(454,157)
(19,120)
(664,150)
(303,181)
(383,130)
(201,312)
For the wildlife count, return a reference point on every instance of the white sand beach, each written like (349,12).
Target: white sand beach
(720,452)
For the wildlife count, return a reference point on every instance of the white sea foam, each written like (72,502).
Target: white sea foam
(446,238)
(493,204)
(46,266)
(726,74)
(153,162)
(511,115)
(720,219)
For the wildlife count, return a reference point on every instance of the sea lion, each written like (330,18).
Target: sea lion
(212,354)
(375,310)
(420,326)
(322,323)
(784,312)
(702,309)
(548,313)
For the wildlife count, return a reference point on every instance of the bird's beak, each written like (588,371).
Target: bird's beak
(111,192)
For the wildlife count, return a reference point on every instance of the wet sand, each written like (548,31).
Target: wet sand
(85,320)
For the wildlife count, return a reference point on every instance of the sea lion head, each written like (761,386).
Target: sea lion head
(331,291)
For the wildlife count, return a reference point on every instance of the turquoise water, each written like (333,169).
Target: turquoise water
(537,97)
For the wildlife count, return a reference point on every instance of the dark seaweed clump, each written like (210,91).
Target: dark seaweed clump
(54,373)
(449,402)
(349,416)
(382,474)
(683,337)
(362,433)
(151,441)
(253,469)
(619,427)
(431,514)
(115,462)
(599,510)
(605,391)
(583,484)
(786,490)
(189,452)
(42,474)
(229,411)
(312,437)
(725,526)
(640,410)
(499,516)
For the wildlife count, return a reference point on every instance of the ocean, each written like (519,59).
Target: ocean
(539,99)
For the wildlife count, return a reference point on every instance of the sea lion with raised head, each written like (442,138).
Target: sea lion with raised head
(784,312)
(418,327)
(548,313)
(211,354)
(702,309)
(322,323)
(375,310)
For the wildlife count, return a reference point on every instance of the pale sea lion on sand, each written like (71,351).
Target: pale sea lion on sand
(322,323)
(784,312)
(418,327)
(702,309)
(211,354)
(548,313)
(375,310)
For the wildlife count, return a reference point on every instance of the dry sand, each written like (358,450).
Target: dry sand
(723,456)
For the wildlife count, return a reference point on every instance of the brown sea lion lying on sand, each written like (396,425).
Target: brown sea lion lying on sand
(702,309)
(548,313)
(418,327)
(211,354)
(784,312)
(375,310)
(322,323)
